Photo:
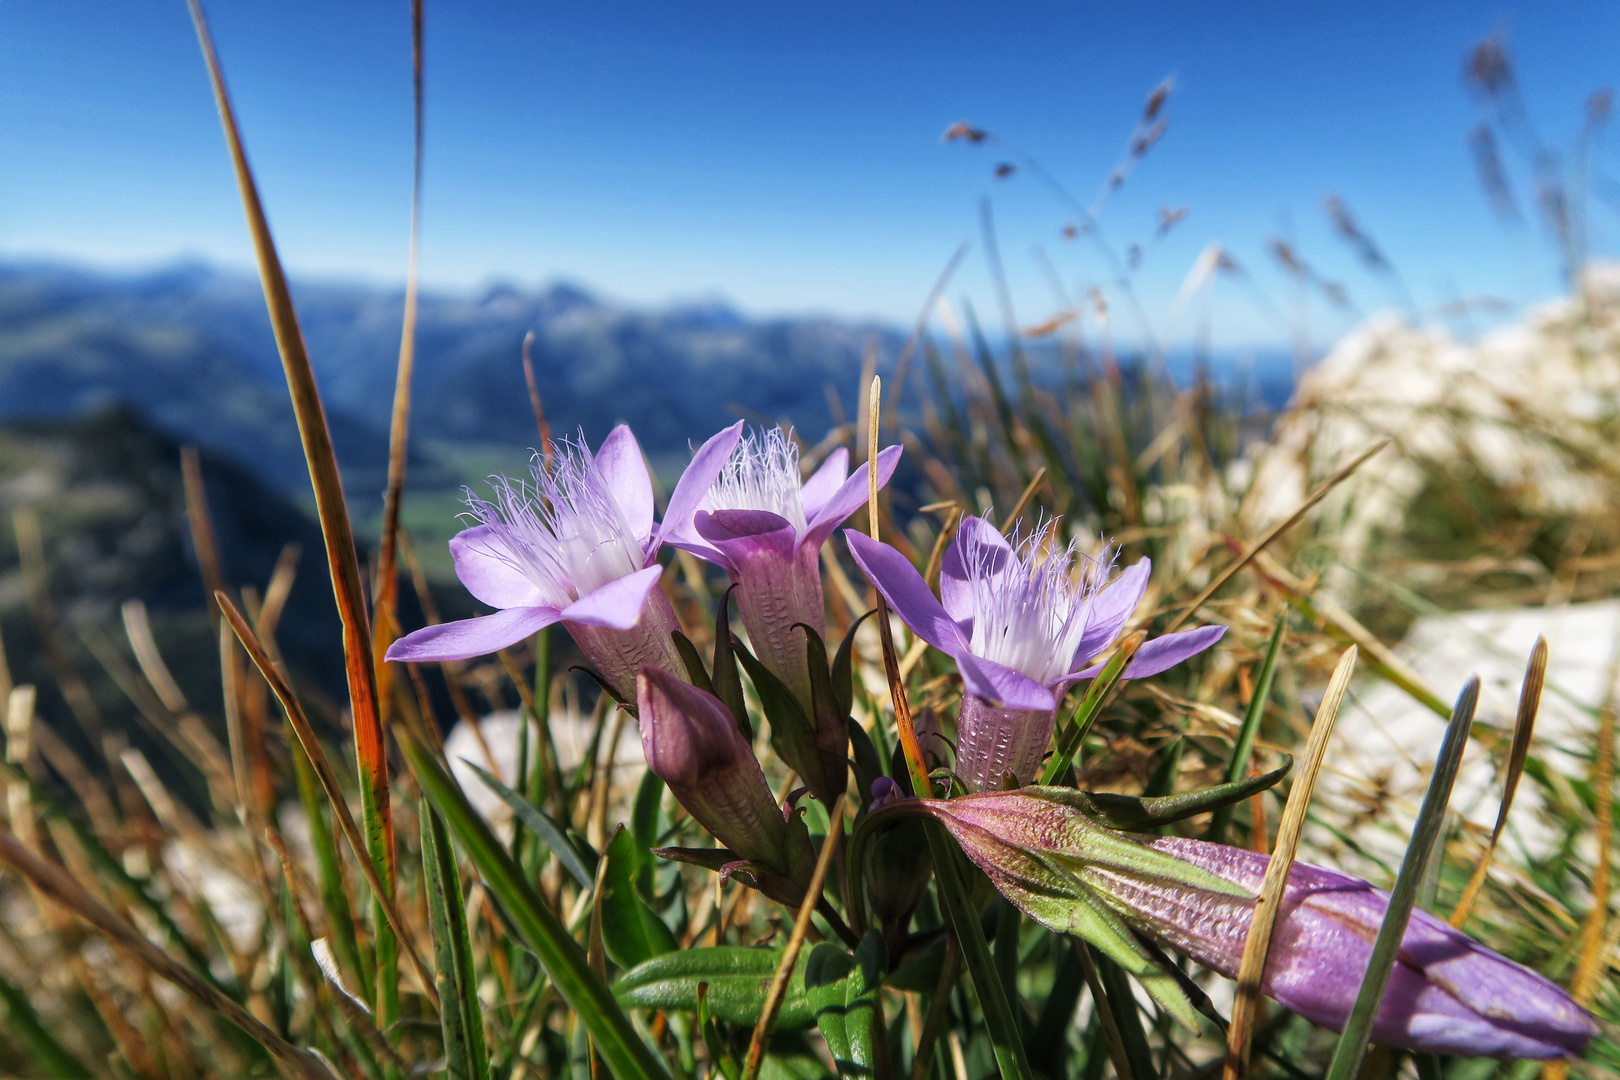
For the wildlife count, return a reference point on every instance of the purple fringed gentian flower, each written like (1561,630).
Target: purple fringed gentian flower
(691,742)
(579,548)
(765,527)
(1022,621)
(1448,994)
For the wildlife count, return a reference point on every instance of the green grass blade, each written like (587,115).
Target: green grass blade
(1085,714)
(329,873)
(1120,1001)
(1352,1048)
(23,1025)
(1243,749)
(460,1016)
(998,1014)
(626,1054)
(542,825)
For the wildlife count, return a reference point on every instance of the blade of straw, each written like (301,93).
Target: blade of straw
(1594,950)
(891,662)
(534,397)
(1243,748)
(1275,531)
(202,528)
(1004,1035)
(1524,727)
(334,791)
(387,589)
(790,955)
(1352,1047)
(1258,944)
(53,881)
(347,584)
(1023,500)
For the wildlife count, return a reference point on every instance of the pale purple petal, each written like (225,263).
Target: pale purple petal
(688,540)
(907,593)
(1163,653)
(851,495)
(486,574)
(955,580)
(1110,609)
(696,481)
(824,481)
(741,535)
(1002,686)
(471,637)
(625,469)
(618,604)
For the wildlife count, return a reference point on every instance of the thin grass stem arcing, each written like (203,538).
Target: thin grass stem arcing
(1245,1010)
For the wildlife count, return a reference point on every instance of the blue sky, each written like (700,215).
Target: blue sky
(787,156)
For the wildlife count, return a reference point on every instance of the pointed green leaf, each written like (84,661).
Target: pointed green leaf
(1248,732)
(727,682)
(696,673)
(545,827)
(631,932)
(617,1040)
(843,670)
(738,979)
(461,1017)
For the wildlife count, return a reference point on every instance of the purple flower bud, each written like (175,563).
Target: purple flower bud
(691,741)
(766,527)
(1448,994)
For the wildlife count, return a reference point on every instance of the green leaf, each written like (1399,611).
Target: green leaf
(621,1046)
(329,871)
(461,1018)
(696,673)
(1248,732)
(1121,1002)
(1133,814)
(23,1025)
(860,1006)
(738,978)
(545,827)
(825,980)
(793,736)
(998,1016)
(1085,714)
(868,765)
(631,932)
(1352,1046)
(727,682)
(843,669)
(644,825)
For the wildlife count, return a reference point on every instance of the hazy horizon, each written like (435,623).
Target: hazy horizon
(789,162)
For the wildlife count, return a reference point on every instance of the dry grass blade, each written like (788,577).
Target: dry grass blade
(936,557)
(790,955)
(1275,531)
(347,583)
(534,398)
(387,587)
(202,527)
(1594,952)
(1023,500)
(329,781)
(278,590)
(891,661)
(57,884)
(1523,728)
(1258,944)
(139,630)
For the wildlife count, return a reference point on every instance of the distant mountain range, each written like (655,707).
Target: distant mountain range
(190,349)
